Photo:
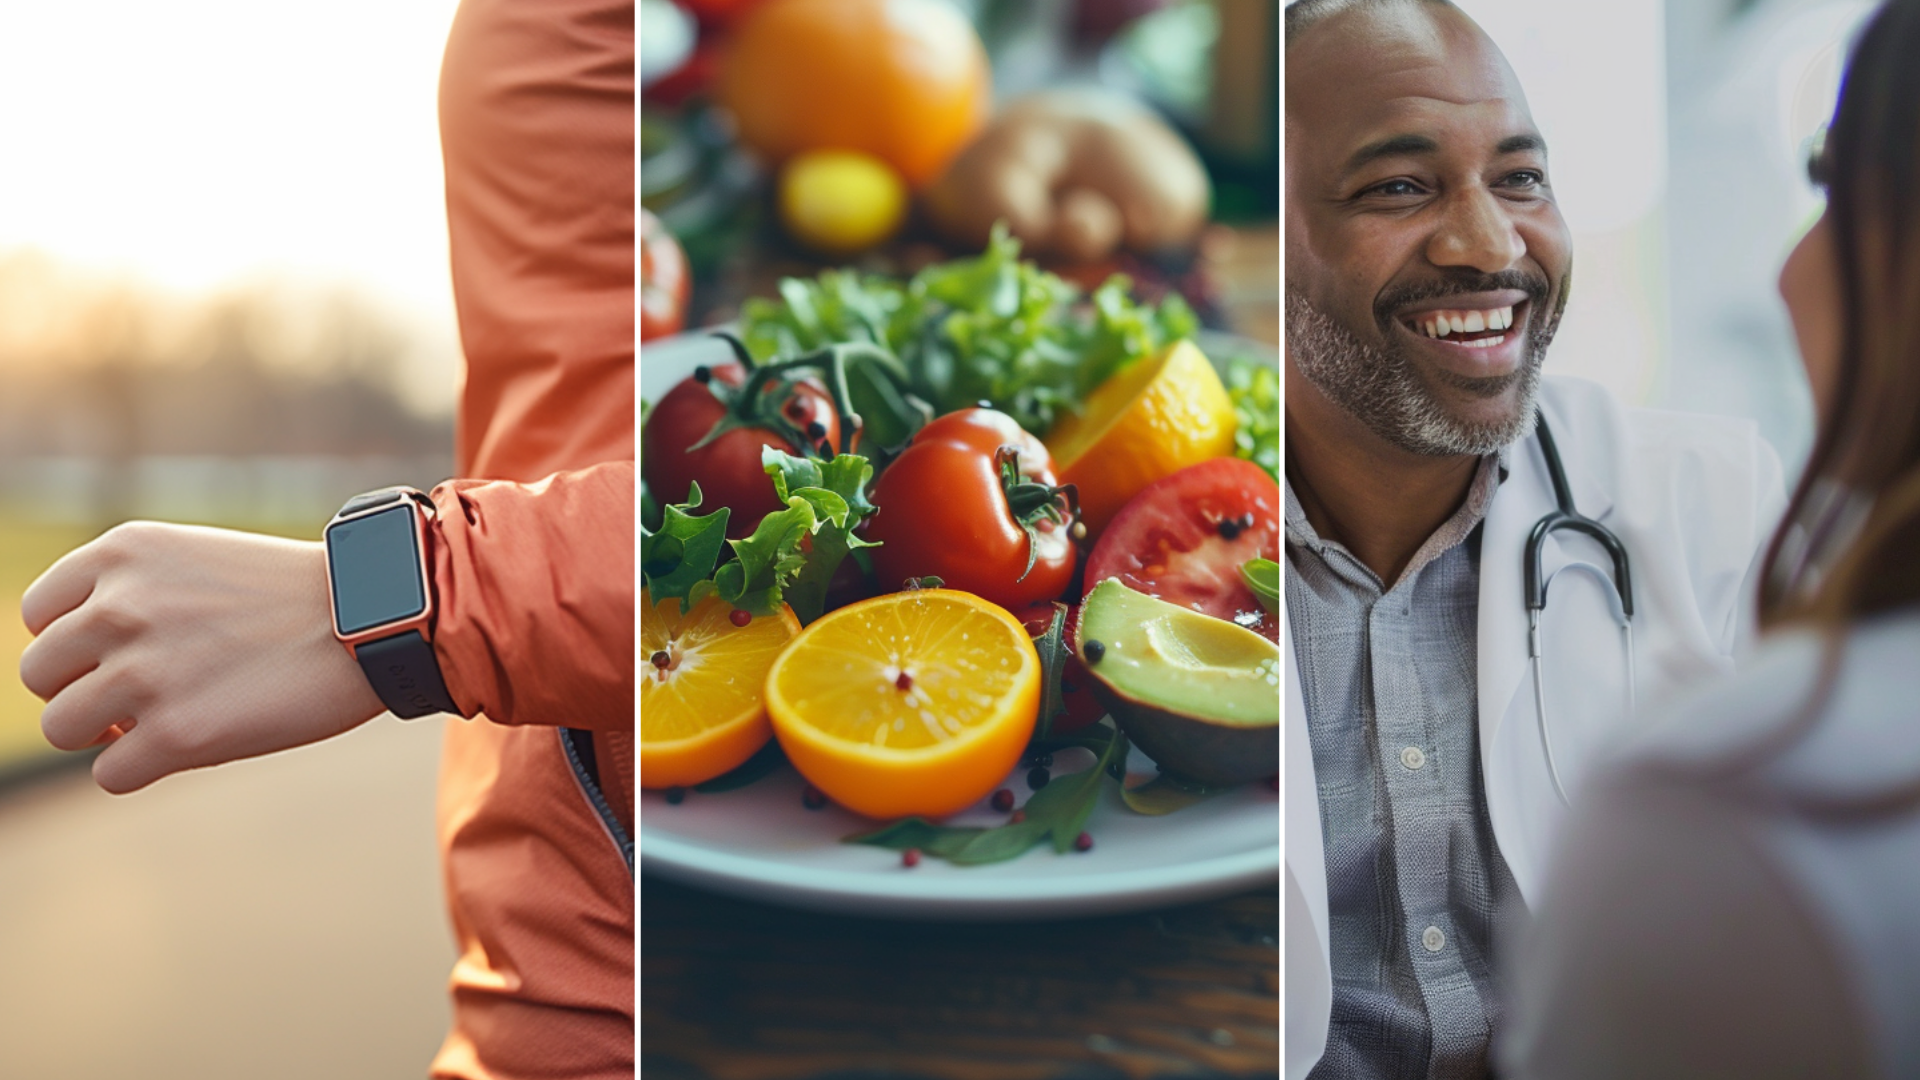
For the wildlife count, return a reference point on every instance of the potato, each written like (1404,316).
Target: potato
(1075,174)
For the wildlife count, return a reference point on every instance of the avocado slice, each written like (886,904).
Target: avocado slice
(1200,695)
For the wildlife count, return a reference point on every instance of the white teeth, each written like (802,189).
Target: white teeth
(1441,324)
(1485,343)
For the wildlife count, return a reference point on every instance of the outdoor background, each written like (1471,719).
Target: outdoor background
(223,299)
(1679,133)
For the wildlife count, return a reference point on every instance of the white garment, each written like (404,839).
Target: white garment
(1741,897)
(1693,499)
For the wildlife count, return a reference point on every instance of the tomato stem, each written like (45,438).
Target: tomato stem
(1031,502)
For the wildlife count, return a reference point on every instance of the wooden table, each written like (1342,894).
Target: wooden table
(735,990)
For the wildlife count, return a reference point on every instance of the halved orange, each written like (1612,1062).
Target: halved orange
(918,702)
(702,713)
(1159,416)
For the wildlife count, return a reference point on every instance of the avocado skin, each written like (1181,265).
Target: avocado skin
(1197,749)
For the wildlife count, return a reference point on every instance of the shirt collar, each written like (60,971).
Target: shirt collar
(1487,477)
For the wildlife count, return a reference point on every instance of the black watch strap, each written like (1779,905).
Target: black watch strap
(406,675)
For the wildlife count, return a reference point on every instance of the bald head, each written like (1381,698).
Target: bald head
(1302,15)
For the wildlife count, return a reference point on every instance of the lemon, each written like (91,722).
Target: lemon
(1159,416)
(840,201)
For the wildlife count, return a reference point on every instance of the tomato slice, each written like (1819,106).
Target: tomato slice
(1184,538)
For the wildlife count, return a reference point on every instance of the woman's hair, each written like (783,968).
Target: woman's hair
(1830,562)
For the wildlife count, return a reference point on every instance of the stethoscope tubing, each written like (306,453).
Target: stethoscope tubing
(1566,517)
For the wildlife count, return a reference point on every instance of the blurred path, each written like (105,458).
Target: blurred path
(278,917)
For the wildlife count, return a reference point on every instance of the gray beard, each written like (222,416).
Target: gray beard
(1380,388)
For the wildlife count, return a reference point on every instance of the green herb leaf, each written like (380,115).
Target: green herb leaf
(766,561)
(1263,577)
(1059,810)
(998,844)
(836,492)
(1166,793)
(987,327)
(1255,390)
(683,551)
(1065,803)
(917,832)
(1054,651)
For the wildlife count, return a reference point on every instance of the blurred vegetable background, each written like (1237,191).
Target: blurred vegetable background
(1128,137)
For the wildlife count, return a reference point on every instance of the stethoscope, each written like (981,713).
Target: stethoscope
(1566,517)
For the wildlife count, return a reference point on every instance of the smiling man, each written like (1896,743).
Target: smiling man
(1429,753)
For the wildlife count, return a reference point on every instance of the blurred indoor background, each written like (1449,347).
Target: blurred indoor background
(1679,133)
(223,299)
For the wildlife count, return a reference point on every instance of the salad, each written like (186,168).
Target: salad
(919,537)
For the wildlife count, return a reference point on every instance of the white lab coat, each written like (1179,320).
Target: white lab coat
(1693,499)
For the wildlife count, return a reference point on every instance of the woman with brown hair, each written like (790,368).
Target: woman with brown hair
(1741,895)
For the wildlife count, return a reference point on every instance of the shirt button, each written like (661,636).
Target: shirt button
(1433,939)
(1412,758)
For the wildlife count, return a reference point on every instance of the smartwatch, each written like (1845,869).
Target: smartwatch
(381,588)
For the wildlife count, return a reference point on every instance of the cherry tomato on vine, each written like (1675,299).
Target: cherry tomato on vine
(728,468)
(972,501)
(1183,539)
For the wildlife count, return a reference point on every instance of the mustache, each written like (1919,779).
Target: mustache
(1397,297)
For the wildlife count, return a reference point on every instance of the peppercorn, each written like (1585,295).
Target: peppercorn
(816,430)
(740,617)
(676,795)
(1083,842)
(904,682)
(813,798)
(661,659)
(1003,800)
(1094,650)
(910,858)
(703,374)
(1229,528)
(1037,778)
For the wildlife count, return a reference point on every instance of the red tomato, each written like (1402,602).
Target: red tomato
(664,280)
(1184,538)
(727,469)
(1076,689)
(719,12)
(943,512)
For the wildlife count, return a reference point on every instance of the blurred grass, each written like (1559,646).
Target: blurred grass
(25,551)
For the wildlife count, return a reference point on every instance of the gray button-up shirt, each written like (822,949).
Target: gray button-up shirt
(1415,881)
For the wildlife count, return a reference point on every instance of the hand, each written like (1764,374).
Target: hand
(183,646)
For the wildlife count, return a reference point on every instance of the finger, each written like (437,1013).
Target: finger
(63,587)
(66,651)
(86,711)
(128,764)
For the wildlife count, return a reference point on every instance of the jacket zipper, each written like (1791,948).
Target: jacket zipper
(590,787)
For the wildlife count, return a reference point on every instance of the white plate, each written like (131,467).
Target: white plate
(759,842)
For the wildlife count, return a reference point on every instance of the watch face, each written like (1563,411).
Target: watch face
(375,564)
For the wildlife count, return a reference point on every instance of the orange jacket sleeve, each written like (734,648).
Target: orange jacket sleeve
(535,590)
